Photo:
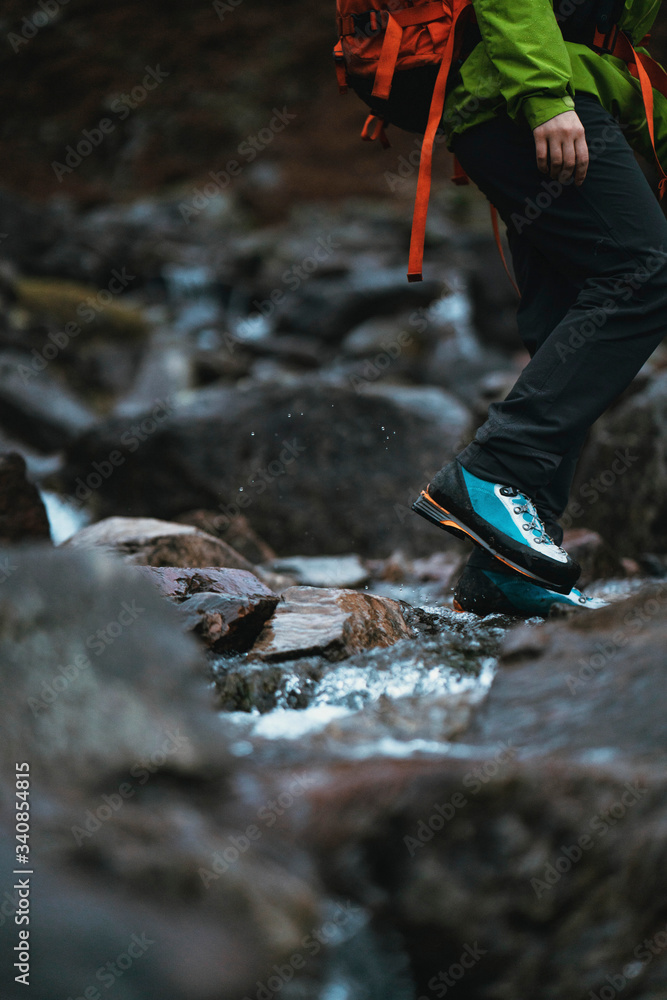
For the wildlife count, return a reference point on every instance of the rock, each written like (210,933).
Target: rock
(301,350)
(166,368)
(330,307)
(529,854)
(237,533)
(80,633)
(250,686)
(23,515)
(428,402)
(423,689)
(385,335)
(146,541)
(63,301)
(597,559)
(316,469)
(323,571)
(621,483)
(333,623)
(134,804)
(494,300)
(442,567)
(589,685)
(474,374)
(225,608)
(224,623)
(36,408)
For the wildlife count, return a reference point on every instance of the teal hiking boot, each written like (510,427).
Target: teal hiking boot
(498,591)
(499,519)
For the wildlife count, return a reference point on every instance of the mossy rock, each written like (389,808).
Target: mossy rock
(71,302)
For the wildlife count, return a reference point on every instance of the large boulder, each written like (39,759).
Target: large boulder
(621,485)
(133,806)
(316,469)
(529,860)
(36,407)
(147,541)
(237,533)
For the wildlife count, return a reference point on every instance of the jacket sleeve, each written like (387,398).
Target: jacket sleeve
(638,17)
(526,47)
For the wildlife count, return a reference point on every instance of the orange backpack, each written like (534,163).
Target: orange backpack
(376,39)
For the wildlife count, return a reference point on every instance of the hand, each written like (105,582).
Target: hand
(560,147)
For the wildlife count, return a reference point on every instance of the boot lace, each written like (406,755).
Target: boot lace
(525,507)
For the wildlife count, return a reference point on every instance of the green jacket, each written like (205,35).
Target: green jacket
(524,65)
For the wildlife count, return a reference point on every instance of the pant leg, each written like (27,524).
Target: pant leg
(546,297)
(608,239)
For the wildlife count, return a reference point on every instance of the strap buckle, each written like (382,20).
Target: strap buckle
(606,42)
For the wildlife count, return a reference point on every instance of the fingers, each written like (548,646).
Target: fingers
(581,150)
(568,161)
(541,152)
(560,148)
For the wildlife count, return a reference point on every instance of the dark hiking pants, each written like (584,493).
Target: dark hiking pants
(591,265)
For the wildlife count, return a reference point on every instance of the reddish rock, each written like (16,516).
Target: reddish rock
(146,541)
(23,516)
(331,623)
(226,608)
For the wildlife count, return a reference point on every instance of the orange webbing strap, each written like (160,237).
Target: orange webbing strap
(650,75)
(647,94)
(459,176)
(656,73)
(397,20)
(417,237)
(496,233)
(387,61)
(374,129)
(339,63)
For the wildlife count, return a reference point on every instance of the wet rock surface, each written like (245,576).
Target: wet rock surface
(225,608)
(587,685)
(536,835)
(147,541)
(131,793)
(333,623)
(398,691)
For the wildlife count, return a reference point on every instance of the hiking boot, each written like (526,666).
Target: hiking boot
(500,519)
(500,591)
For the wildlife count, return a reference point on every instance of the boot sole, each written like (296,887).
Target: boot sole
(433,512)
